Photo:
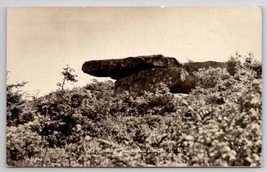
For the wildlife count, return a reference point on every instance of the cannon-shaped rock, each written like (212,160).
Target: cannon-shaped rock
(119,68)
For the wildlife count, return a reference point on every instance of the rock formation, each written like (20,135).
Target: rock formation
(144,72)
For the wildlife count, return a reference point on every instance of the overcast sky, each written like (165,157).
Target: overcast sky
(41,41)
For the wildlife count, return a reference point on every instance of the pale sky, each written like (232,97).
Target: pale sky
(41,41)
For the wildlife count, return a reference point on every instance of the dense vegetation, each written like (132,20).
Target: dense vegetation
(218,124)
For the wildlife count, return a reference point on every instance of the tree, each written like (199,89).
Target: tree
(68,76)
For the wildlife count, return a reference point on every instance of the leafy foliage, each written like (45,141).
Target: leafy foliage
(218,124)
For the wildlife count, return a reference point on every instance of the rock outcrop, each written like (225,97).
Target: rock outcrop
(144,72)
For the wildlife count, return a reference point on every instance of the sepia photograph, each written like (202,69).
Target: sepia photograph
(166,86)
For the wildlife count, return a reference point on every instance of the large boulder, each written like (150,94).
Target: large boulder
(176,79)
(119,68)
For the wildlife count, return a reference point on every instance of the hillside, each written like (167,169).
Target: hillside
(219,123)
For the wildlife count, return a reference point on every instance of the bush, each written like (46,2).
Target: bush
(22,143)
